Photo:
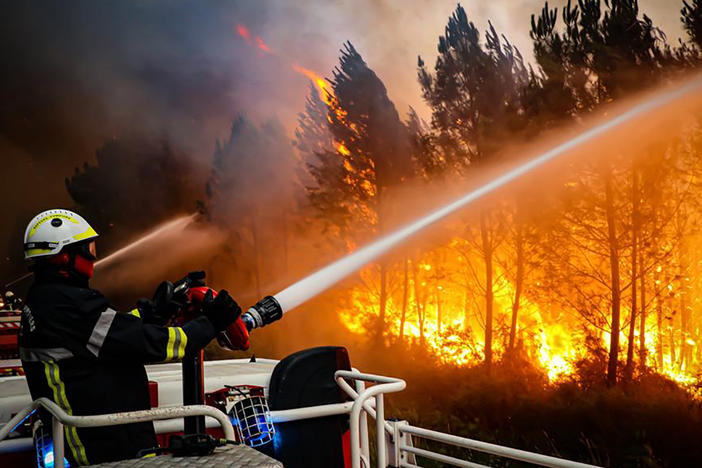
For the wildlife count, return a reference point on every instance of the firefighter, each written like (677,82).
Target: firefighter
(12,302)
(87,357)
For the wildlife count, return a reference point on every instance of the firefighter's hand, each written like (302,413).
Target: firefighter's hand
(222,311)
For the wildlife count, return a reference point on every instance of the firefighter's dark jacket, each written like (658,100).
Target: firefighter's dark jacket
(89,359)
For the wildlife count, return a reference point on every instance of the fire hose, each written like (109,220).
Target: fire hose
(178,303)
(175,304)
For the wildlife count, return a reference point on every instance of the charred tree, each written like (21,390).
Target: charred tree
(405,297)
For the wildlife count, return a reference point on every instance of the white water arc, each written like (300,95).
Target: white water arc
(323,279)
(172,226)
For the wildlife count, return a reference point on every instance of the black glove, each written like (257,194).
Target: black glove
(222,311)
(192,279)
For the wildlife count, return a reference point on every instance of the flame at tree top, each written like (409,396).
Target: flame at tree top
(326,93)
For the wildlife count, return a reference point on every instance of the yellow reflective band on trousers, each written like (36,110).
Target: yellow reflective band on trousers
(177,340)
(135,312)
(51,369)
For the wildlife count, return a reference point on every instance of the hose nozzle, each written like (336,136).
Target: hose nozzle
(266,311)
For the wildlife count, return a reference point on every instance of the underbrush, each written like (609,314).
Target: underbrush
(648,422)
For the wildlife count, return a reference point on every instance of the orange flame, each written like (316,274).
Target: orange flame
(244,32)
(325,91)
(262,45)
(440,315)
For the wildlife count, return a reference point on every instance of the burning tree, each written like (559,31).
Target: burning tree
(370,155)
(599,57)
(476,98)
(602,257)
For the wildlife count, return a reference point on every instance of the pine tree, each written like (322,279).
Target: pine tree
(371,154)
(249,193)
(603,53)
(134,185)
(476,94)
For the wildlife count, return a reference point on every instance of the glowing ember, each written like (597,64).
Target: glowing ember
(244,32)
(262,45)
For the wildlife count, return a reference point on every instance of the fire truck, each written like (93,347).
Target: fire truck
(310,409)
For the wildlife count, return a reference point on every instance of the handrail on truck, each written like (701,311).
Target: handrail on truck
(395,446)
(61,418)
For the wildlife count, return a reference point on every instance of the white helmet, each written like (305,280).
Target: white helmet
(52,230)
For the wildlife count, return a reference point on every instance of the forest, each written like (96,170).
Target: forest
(561,314)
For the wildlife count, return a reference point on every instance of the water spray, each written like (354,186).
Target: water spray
(272,308)
(178,223)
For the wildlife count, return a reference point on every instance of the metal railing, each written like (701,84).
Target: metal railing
(361,405)
(61,418)
(395,445)
(395,438)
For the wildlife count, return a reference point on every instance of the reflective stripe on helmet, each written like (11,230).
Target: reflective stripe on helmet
(49,218)
(86,235)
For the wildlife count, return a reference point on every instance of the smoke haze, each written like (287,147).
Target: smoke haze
(77,75)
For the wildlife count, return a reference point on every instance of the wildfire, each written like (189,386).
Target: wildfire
(262,45)
(436,318)
(439,316)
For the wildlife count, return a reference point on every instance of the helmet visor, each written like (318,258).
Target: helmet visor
(88,250)
(92,250)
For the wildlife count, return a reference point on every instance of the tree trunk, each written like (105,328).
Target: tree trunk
(383,299)
(418,305)
(672,344)
(683,359)
(438,310)
(659,324)
(642,326)
(405,293)
(629,368)
(487,257)
(612,363)
(518,284)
